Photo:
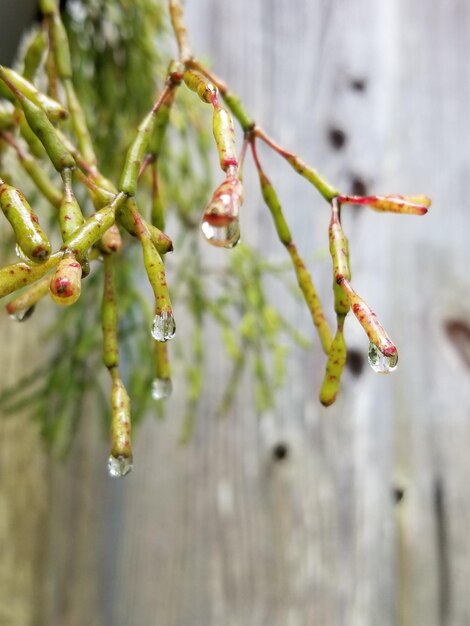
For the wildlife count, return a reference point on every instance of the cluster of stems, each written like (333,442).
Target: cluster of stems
(51,127)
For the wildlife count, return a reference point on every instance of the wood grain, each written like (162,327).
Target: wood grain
(364,522)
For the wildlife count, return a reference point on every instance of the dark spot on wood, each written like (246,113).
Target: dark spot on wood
(358,84)
(355,362)
(398,493)
(337,138)
(442,566)
(280,451)
(358,186)
(458,333)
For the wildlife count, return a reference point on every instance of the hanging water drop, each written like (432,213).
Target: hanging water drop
(119,466)
(23,314)
(163,327)
(220,224)
(161,388)
(221,232)
(380,362)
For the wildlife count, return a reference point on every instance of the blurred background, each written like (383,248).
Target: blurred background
(355,515)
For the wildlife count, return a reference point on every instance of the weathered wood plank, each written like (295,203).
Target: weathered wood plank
(23,494)
(222,531)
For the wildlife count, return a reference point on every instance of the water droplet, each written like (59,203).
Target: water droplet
(163,327)
(119,466)
(23,314)
(225,234)
(161,388)
(220,224)
(380,362)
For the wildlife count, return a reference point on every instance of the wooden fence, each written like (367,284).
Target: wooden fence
(357,515)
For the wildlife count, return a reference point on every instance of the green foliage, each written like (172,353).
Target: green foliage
(120,51)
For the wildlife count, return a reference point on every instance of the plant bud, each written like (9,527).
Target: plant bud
(111,240)
(200,85)
(29,235)
(48,7)
(135,155)
(369,321)
(224,134)
(66,282)
(339,248)
(411,205)
(120,459)
(70,215)
(53,109)
(39,123)
(160,240)
(334,367)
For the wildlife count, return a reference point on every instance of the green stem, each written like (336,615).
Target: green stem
(339,251)
(136,153)
(326,189)
(222,124)
(231,100)
(94,228)
(15,82)
(70,215)
(17,275)
(368,320)
(153,262)
(34,54)
(29,297)
(120,418)
(109,315)
(79,124)
(180,30)
(162,361)
(304,278)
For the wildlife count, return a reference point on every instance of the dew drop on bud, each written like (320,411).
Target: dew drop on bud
(380,362)
(163,327)
(161,388)
(23,314)
(220,224)
(225,234)
(119,466)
